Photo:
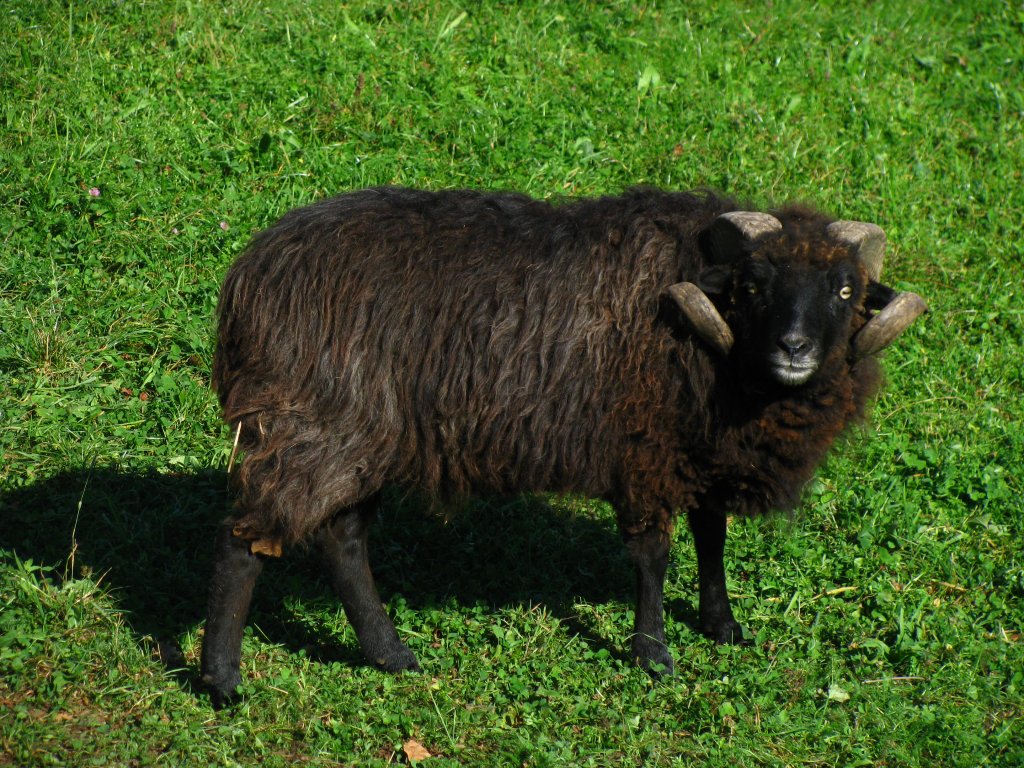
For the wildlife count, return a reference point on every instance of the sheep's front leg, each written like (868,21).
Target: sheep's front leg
(235,571)
(716,619)
(343,544)
(649,552)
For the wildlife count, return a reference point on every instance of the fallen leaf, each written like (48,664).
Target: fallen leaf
(415,751)
(835,693)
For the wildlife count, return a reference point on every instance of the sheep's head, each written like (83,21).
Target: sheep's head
(798,298)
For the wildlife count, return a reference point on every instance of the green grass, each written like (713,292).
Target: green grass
(887,615)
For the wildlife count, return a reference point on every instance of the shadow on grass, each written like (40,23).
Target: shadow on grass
(150,537)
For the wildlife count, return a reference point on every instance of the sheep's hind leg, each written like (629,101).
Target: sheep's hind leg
(235,571)
(649,552)
(716,619)
(343,544)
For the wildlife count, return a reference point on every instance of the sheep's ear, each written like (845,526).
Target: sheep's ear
(866,241)
(730,235)
(715,280)
(882,329)
(707,323)
(878,296)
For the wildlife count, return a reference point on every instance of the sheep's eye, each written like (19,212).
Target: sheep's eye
(751,288)
(846,292)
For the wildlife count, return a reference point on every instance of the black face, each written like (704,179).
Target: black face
(787,319)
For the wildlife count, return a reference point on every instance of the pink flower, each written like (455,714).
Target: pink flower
(94,191)
(224,226)
(174,230)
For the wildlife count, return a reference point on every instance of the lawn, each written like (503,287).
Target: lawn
(141,145)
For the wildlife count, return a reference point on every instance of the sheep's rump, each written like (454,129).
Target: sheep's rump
(456,342)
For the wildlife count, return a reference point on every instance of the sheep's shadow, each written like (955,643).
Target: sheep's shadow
(150,536)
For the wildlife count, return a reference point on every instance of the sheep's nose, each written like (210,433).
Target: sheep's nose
(795,344)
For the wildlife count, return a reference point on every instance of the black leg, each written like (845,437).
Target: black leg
(235,571)
(343,543)
(716,619)
(649,551)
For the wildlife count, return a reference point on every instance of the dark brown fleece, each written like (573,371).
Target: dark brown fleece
(463,343)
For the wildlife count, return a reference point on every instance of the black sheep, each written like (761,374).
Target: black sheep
(462,343)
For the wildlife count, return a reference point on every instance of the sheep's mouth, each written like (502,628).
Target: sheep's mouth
(792,372)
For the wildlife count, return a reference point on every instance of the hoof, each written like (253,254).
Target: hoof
(726,633)
(223,693)
(400,659)
(654,658)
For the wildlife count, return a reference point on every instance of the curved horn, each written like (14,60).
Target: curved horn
(867,241)
(730,231)
(882,329)
(703,316)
